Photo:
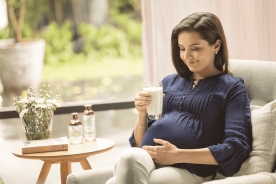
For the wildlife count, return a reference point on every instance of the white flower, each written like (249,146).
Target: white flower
(40,106)
(32,99)
(23,112)
(39,100)
(54,102)
(24,100)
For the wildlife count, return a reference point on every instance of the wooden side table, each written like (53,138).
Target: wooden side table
(75,153)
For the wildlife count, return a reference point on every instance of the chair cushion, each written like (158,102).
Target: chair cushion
(259,178)
(259,79)
(262,157)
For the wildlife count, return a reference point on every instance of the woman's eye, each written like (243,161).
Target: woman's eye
(194,49)
(181,49)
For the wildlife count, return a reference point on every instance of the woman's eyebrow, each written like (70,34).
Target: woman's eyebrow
(189,45)
(194,44)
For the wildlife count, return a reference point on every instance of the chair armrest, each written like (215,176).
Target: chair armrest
(258,178)
(92,176)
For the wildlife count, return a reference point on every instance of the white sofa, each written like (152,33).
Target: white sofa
(259,168)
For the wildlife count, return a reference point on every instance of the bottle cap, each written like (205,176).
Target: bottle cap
(88,107)
(75,115)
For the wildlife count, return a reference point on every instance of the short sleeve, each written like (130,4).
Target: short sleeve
(237,143)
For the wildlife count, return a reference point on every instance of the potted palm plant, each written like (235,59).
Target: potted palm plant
(21,60)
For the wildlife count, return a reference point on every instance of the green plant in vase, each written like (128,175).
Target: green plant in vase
(36,113)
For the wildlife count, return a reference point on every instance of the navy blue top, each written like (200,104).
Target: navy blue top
(215,114)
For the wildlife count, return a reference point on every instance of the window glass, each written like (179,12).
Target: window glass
(109,124)
(93,50)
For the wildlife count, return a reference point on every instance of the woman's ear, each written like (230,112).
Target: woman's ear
(217,46)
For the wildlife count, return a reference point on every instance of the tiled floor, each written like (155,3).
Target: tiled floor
(14,170)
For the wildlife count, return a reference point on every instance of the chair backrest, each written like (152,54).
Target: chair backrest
(259,79)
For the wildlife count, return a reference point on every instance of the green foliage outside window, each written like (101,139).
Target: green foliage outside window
(109,53)
(59,45)
(119,38)
(108,41)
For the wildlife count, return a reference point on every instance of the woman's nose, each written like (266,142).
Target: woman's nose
(186,55)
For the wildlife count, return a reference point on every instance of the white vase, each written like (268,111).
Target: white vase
(21,66)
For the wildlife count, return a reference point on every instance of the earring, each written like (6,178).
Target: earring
(216,52)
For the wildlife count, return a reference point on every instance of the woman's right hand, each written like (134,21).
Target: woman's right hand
(142,101)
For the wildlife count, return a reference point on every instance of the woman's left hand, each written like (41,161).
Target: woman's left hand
(164,153)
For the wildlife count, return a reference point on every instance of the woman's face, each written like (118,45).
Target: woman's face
(197,54)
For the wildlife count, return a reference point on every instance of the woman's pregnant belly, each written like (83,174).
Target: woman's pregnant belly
(178,129)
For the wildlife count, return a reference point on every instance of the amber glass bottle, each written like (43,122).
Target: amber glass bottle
(89,124)
(75,130)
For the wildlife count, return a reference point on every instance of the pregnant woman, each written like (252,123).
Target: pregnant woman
(205,125)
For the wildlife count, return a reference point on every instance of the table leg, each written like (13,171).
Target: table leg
(65,169)
(85,164)
(44,173)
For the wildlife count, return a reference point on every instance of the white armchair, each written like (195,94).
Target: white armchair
(259,168)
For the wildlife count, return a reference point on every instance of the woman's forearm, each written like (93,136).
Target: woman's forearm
(195,156)
(140,129)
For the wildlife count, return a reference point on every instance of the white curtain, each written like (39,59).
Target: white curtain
(3,14)
(249,25)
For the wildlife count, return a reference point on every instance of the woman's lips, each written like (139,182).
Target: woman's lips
(191,62)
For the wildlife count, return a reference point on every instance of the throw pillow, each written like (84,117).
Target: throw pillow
(263,155)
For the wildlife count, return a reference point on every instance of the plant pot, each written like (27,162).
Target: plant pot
(21,66)
(37,127)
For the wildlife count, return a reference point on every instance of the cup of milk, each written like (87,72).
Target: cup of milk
(154,109)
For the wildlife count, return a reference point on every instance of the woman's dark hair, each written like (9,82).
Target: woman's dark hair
(209,27)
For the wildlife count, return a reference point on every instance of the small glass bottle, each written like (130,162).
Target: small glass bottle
(75,130)
(89,124)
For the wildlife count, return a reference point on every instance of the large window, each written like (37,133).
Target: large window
(93,49)
(93,52)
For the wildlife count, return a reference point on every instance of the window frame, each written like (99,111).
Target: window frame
(78,106)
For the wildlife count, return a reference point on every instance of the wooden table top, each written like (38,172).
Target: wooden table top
(79,150)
